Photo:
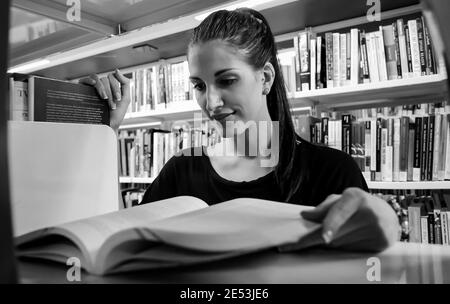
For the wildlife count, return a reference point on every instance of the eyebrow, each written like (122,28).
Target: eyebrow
(215,74)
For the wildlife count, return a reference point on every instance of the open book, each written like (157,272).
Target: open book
(178,231)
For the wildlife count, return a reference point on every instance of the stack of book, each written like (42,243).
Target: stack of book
(160,86)
(403,143)
(143,152)
(394,49)
(428,216)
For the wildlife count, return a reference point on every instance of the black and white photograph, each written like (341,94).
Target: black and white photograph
(224,149)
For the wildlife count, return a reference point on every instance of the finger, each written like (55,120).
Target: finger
(115,87)
(337,216)
(317,214)
(99,86)
(87,80)
(107,88)
(124,82)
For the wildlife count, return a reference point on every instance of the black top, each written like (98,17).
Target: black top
(328,171)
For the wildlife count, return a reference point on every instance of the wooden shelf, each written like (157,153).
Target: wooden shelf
(374,93)
(136,180)
(409,185)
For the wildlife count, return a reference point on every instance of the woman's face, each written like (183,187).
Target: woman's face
(226,87)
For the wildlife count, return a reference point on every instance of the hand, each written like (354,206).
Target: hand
(356,220)
(116,90)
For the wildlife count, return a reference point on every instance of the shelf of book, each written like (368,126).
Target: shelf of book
(409,185)
(373,93)
(428,87)
(136,180)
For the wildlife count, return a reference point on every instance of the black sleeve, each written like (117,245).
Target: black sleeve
(163,186)
(351,175)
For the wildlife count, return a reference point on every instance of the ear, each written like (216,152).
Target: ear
(268,77)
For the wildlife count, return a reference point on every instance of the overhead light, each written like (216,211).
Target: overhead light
(248,3)
(27,66)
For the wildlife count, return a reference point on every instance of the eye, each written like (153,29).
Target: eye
(227,81)
(199,86)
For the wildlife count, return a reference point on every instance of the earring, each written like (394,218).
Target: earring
(266,91)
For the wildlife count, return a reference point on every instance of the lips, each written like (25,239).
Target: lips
(221,116)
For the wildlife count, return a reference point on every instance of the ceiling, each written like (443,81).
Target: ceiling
(133,14)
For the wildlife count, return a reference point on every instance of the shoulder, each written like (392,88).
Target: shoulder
(187,159)
(321,155)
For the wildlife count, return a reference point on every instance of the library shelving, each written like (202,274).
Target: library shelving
(168,40)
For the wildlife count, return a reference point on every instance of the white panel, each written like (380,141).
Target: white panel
(60,172)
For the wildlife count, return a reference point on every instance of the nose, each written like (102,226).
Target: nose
(213,100)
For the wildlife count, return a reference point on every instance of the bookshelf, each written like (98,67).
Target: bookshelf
(409,185)
(419,88)
(171,43)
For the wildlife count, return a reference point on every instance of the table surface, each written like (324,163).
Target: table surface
(401,263)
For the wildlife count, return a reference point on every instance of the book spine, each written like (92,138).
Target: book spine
(298,84)
(404,136)
(437,226)
(396,169)
(374,68)
(424,229)
(386,172)
(364,58)
(390,52)
(409,51)
(378,149)
(324,130)
(329,59)
(447,151)
(411,152)
(319,62)
(343,59)
(422,49)
(414,221)
(402,48)
(336,59)
(397,50)
(346,133)
(381,54)
(313,46)
(431,62)
(348,59)
(355,57)
(414,45)
(444,227)
(430,139)
(373,146)
(367,146)
(436,147)
(305,72)
(424,149)
(431,236)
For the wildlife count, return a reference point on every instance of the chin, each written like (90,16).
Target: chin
(232,128)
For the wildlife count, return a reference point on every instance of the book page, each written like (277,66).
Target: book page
(89,234)
(240,224)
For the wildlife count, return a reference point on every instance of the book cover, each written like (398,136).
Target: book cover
(51,100)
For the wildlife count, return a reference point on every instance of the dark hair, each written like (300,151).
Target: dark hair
(248,31)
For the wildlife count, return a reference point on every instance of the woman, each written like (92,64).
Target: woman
(238,83)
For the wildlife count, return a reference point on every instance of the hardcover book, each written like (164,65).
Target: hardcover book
(51,100)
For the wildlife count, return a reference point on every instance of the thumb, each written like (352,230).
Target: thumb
(318,214)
